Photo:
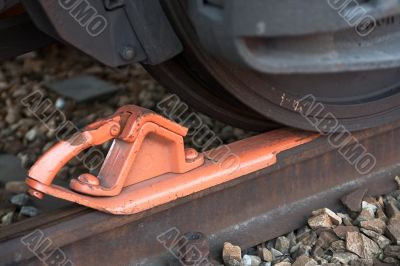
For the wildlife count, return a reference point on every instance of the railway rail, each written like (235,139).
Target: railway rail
(247,210)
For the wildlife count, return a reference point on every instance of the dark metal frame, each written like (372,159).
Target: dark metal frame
(114,32)
(19,36)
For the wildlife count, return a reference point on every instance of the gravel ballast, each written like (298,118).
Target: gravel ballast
(366,232)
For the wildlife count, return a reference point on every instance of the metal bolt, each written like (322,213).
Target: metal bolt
(191,154)
(128,53)
(114,131)
(89,179)
(36,193)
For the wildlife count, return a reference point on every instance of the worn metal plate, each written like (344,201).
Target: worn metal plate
(82,88)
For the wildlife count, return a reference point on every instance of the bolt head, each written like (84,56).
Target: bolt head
(114,131)
(128,53)
(35,193)
(89,179)
(191,154)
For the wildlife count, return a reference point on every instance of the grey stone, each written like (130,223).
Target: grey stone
(321,261)
(282,244)
(397,179)
(31,134)
(60,103)
(20,199)
(283,259)
(336,220)
(341,231)
(362,262)
(365,215)
(391,209)
(270,244)
(13,115)
(353,200)
(6,209)
(373,201)
(231,254)
(325,239)
(380,214)
(376,225)
(393,230)
(232,262)
(7,218)
(392,251)
(295,248)
(292,238)
(283,263)
(391,261)
(343,257)
(395,194)
(320,221)
(264,253)
(338,246)
(29,211)
(304,261)
(369,206)
(276,254)
(309,239)
(380,263)
(3,85)
(361,245)
(302,231)
(381,240)
(249,260)
(346,219)
(302,250)
(327,257)
(16,187)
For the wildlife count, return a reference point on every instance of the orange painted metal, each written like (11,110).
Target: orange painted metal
(147,165)
(146,145)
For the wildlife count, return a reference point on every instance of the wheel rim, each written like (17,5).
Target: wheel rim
(352,98)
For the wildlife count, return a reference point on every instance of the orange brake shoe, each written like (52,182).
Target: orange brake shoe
(147,164)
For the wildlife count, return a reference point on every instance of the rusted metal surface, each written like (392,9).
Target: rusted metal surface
(246,211)
(147,165)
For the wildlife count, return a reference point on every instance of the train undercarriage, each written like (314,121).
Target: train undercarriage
(256,65)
